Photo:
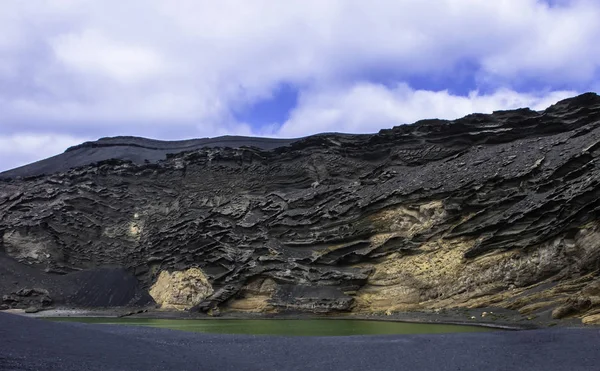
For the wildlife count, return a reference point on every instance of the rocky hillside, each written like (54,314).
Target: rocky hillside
(488,210)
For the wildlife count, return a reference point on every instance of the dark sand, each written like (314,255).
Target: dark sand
(33,344)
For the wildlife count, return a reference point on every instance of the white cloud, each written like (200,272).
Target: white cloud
(367,107)
(198,60)
(560,46)
(91,52)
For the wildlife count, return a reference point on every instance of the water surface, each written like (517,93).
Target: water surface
(289,327)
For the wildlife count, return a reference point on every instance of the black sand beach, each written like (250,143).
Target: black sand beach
(32,344)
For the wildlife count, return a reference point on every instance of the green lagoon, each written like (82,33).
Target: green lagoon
(287,327)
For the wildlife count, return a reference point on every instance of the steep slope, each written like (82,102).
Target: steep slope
(497,209)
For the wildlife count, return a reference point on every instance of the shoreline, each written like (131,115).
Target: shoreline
(495,318)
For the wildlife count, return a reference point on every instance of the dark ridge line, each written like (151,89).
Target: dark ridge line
(173,144)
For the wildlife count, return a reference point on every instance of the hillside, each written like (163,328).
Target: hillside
(490,210)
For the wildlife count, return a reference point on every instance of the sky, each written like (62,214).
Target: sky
(77,70)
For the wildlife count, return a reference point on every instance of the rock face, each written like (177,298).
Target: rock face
(26,297)
(497,209)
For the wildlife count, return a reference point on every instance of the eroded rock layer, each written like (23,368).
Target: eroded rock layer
(497,209)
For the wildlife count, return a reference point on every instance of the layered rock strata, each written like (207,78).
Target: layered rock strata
(487,210)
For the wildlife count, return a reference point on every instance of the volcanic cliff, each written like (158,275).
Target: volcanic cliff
(494,209)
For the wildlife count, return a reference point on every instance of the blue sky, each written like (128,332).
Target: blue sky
(72,71)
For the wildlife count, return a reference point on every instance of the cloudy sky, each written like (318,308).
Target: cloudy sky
(72,71)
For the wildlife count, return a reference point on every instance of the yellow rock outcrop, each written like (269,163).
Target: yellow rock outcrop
(592,320)
(181,289)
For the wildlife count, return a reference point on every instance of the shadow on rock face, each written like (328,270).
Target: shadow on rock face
(107,287)
(316,299)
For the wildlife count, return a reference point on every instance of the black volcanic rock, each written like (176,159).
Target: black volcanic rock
(498,209)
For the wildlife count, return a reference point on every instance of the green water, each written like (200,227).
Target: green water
(289,327)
